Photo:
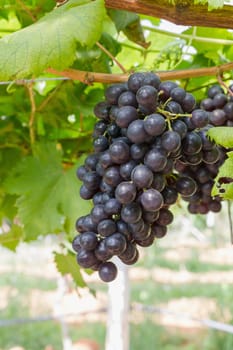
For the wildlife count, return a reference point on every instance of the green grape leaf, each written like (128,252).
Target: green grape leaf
(130,24)
(51,42)
(212,4)
(48,196)
(67,264)
(223,135)
(224,181)
(11,239)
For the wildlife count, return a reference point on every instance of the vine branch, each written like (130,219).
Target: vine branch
(91,77)
(111,56)
(183,12)
(32,116)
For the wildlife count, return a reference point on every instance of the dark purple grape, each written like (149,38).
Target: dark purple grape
(151,200)
(218,117)
(101,251)
(91,161)
(142,176)
(159,182)
(158,231)
(178,94)
(81,172)
(215,206)
(125,116)
(131,213)
(180,127)
(125,192)
(113,130)
(123,228)
(106,227)
(98,214)
(129,253)
(207,104)
(105,159)
(76,243)
(89,224)
(147,242)
(150,216)
(126,169)
(212,156)
(214,90)
(174,107)
(168,167)
(200,118)
(86,258)
(100,128)
(112,206)
(136,132)
(219,100)
(113,92)
(151,79)
(165,217)
(135,81)
(91,180)
(107,271)
(228,109)
(120,152)
(188,103)
(127,98)
(138,151)
(155,159)
(202,174)
(170,195)
(86,193)
(100,144)
(186,186)
(101,110)
(192,143)
(154,124)
(171,140)
(116,243)
(165,89)
(131,261)
(88,240)
(147,95)
(112,176)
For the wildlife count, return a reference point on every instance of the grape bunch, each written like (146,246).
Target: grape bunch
(150,147)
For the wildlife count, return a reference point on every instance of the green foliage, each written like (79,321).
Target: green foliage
(66,264)
(77,21)
(222,135)
(224,180)
(43,187)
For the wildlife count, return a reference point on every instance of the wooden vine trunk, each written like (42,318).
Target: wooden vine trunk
(183,13)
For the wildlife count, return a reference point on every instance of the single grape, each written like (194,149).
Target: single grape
(98,213)
(165,217)
(186,186)
(112,206)
(178,94)
(127,98)
(142,176)
(100,144)
(81,172)
(154,124)
(151,200)
(107,271)
(171,140)
(200,118)
(119,151)
(165,89)
(136,132)
(76,243)
(106,227)
(116,243)
(125,115)
(113,92)
(125,192)
(192,143)
(155,159)
(135,81)
(158,231)
(86,258)
(131,213)
(88,240)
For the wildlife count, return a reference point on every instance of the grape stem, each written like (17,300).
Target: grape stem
(171,116)
(221,82)
(111,56)
(32,116)
(105,78)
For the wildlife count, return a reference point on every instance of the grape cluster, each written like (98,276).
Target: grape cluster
(150,146)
